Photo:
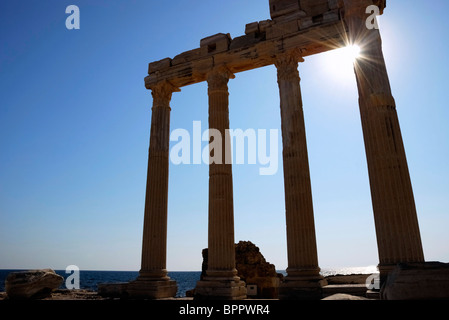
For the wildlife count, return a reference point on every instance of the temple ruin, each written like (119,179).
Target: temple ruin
(297,29)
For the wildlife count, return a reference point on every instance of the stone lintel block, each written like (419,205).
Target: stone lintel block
(186,56)
(213,44)
(245,41)
(305,23)
(281,7)
(314,7)
(160,65)
(299,14)
(203,65)
(252,27)
(247,52)
(333,4)
(278,30)
(264,24)
(331,16)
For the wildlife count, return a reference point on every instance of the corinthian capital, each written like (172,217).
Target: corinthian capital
(217,79)
(162,92)
(287,65)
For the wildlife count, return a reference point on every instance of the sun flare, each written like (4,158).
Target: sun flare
(340,62)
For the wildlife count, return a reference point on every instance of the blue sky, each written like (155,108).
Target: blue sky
(75,119)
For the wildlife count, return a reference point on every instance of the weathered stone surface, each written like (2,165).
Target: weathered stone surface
(252,27)
(394,209)
(417,281)
(347,279)
(66,294)
(113,290)
(352,289)
(160,65)
(314,7)
(32,284)
(214,44)
(245,41)
(282,7)
(344,296)
(279,29)
(187,56)
(142,288)
(252,268)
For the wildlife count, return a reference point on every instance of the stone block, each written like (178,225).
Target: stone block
(331,16)
(113,290)
(203,65)
(160,65)
(352,289)
(151,289)
(282,7)
(417,281)
(32,284)
(187,56)
(301,290)
(264,24)
(343,296)
(244,41)
(252,27)
(214,44)
(210,289)
(314,7)
(278,30)
(333,4)
(305,23)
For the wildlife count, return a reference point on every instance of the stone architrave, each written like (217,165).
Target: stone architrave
(397,229)
(303,278)
(153,281)
(221,280)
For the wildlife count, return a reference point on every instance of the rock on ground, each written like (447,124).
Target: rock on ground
(343,296)
(32,284)
(253,269)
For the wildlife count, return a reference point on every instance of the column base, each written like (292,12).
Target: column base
(417,281)
(151,288)
(302,285)
(220,288)
(384,270)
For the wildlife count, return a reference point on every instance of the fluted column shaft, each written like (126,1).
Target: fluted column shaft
(395,216)
(154,244)
(301,240)
(221,259)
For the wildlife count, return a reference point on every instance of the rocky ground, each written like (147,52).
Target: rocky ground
(65,294)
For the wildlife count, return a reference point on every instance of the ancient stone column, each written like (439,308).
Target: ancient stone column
(303,279)
(153,281)
(221,281)
(397,230)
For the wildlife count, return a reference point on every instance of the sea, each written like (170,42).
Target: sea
(186,280)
